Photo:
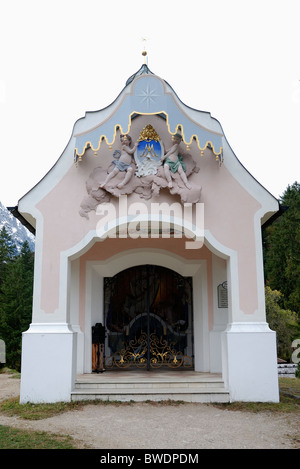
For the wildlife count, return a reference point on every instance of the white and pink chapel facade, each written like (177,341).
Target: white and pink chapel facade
(150,226)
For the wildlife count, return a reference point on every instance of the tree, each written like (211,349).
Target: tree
(7,252)
(282,251)
(283,321)
(16,304)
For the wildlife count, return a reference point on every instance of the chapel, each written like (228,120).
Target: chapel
(148,278)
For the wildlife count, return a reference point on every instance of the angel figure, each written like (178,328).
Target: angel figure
(174,163)
(122,161)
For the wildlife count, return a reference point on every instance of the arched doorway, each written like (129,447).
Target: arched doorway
(148,315)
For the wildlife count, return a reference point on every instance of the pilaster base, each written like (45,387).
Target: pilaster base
(249,365)
(48,363)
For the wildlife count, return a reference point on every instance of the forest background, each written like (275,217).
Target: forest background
(281,249)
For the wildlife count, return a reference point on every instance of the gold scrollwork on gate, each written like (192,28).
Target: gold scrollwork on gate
(134,353)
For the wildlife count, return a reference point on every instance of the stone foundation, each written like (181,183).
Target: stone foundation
(287,370)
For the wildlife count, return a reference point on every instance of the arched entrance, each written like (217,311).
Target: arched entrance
(148,315)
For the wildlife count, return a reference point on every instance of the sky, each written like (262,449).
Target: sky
(238,60)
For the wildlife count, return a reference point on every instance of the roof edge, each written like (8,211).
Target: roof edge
(15,212)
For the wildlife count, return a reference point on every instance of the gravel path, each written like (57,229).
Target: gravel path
(154,426)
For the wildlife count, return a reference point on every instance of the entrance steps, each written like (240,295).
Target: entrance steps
(156,385)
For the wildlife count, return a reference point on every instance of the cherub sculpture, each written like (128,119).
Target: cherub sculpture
(174,163)
(123,161)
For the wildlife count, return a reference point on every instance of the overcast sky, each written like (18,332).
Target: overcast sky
(239,60)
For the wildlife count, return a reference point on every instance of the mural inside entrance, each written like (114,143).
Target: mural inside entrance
(148,317)
(144,168)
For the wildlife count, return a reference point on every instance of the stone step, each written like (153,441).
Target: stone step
(177,394)
(142,387)
(146,385)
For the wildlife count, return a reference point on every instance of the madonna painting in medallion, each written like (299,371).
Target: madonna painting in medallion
(149,152)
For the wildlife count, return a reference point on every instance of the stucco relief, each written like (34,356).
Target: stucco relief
(144,169)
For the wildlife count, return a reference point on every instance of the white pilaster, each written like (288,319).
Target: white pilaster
(250,362)
(48,363)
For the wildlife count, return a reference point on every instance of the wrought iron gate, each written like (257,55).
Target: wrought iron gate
(148,316)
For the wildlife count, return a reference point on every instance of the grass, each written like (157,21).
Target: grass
(290,386)
(12,438)
(289,400)
(8,371)
(11,407)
